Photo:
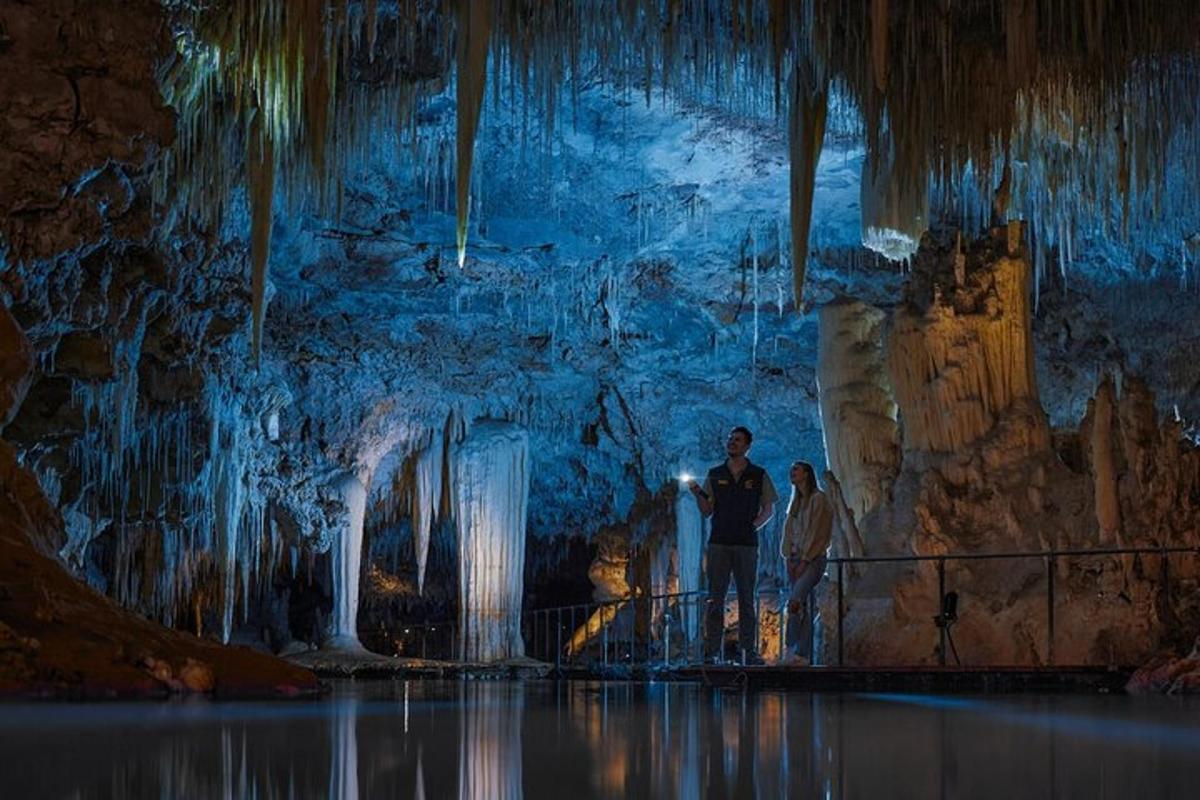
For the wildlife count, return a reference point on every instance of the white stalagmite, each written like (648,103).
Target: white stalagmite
(858,413)
(689,541)
(427,501)
(347,563)
(491,492)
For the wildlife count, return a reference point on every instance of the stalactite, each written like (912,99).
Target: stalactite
(427,501)
(895,208)
(474,33)
(806,136)
(260,160)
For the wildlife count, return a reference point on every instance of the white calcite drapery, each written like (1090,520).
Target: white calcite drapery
(491,493)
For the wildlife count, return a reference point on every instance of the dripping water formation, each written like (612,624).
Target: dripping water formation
(385,339)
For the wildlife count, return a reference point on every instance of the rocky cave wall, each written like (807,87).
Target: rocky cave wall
(205,494)
(982,472)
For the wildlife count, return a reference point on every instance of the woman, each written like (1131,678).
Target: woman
(806,533)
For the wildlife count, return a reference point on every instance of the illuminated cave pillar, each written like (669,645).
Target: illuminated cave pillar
(491,493)
(858,412)
(964,361)
(347,565)
(689,543)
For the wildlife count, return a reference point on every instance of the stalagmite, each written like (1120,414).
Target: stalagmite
(491,491)
(347,565)
(474,33)
(858,413)
(1103,463)
(806,136)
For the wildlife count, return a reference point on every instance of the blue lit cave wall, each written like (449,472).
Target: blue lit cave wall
(626,297)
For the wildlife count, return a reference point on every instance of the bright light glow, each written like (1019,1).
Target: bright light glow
(685,478)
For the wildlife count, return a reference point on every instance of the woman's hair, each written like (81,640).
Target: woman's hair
(794,501)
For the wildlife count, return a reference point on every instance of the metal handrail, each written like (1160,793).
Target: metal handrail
(540,622)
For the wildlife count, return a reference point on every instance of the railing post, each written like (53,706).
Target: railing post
(841,613)
(941,570)
(1050,569)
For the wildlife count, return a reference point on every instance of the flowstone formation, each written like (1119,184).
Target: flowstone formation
(982,472)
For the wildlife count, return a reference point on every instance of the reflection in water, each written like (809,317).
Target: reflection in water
(489,754)
(477,740)
(343,773)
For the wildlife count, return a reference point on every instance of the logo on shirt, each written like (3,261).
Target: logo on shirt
(750,483)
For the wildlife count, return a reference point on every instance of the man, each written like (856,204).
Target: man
(739,497)
(806,534)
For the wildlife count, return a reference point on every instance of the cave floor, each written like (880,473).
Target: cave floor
(487,739)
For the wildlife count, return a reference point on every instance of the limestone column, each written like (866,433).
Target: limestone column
(858,413)
(347,565)
(491,492)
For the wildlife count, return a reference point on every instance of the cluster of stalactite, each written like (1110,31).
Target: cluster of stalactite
(1058,111)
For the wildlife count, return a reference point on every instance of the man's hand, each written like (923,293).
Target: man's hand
(693,487)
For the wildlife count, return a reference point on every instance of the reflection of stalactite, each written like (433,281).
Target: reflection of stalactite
(489,760)
(343,768)
(491,489)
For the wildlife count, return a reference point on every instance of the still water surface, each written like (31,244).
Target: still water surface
(591,740)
